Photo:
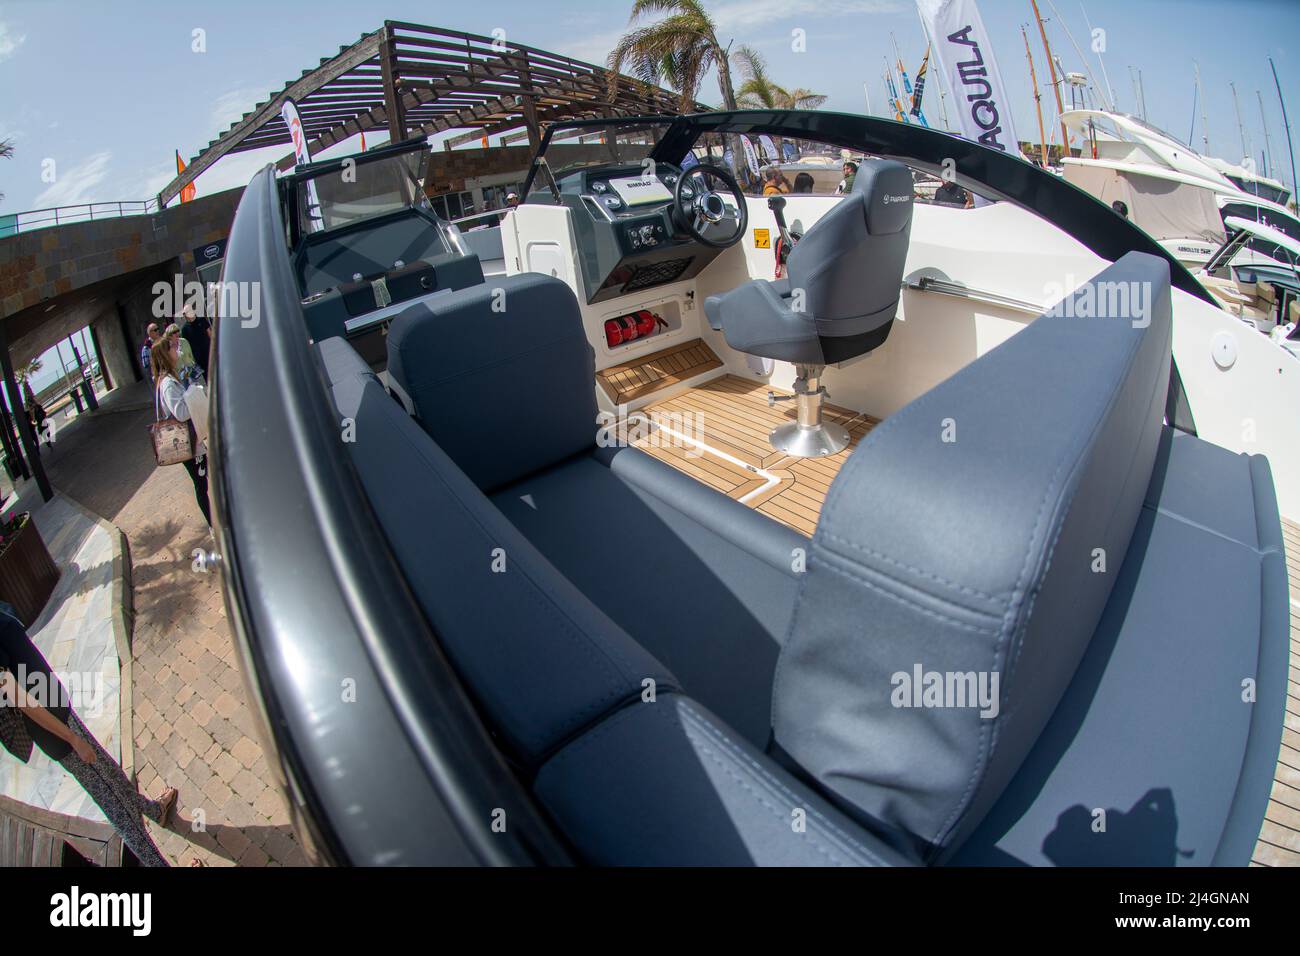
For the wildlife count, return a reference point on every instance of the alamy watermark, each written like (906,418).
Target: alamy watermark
(946,689)
(1101,300)
(80,691)
(230,300)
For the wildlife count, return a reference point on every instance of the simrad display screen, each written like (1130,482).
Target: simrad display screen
(636,191)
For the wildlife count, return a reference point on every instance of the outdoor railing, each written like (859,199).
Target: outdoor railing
(81,212)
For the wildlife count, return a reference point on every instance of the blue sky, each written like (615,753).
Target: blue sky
(109,89)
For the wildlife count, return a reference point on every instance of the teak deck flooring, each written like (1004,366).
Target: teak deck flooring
(1279,838)
(731,415)
(648,373)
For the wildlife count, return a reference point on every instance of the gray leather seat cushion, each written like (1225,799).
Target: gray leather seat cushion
(668,784)
(542,661)
(340,360)
(973,557)
(704,583)
(501,375)
(1198,607)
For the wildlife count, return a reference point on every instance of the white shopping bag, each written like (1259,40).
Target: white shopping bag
(196,399)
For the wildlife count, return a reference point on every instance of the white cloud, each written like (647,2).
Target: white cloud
(235,169)
(751,13)
(9,42)
(231,107)
(78,184)
(591,49)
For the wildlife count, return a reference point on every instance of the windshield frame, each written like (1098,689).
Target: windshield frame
(665,122)
(295,185)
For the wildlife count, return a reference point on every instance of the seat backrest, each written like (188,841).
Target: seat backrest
(542,662)
(850,264)
(964,557)
(517,345)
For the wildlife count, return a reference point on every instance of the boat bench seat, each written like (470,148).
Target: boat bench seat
(1198,609)
(503,380)
(564,687)
(1059,638)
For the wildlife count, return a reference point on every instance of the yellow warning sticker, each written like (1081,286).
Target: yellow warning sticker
(762,239)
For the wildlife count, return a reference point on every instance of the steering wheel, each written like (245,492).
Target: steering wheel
(703,214)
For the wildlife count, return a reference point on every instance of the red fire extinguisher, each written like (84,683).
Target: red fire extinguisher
(648,323)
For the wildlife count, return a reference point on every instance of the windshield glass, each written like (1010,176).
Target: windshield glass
(362,190)
(577,147)
(1263,190)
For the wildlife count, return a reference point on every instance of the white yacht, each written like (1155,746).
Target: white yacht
(1177,196)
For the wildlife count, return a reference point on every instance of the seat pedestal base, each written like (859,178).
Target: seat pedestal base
(816,442)
(808,436)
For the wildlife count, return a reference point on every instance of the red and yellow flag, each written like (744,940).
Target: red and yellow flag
(187,193)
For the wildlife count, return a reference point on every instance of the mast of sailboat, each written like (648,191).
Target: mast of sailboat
(866,91)
(1285,122)
(1038,97)
(1082,59)
(1205,123)
(1241,129)
(1142,94)
(1056,86)
(1268,148)
(1097,48)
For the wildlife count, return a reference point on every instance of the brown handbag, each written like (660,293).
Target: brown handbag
(173,441)
(14,736)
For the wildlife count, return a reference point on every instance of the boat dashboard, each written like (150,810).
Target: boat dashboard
(638,226)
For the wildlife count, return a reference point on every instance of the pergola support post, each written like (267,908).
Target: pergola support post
(29,441)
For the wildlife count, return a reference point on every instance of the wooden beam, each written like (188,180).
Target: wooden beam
(392,99)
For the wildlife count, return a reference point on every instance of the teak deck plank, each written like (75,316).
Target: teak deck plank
(732,416)
(1279,838)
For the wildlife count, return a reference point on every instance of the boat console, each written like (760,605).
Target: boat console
(642,226)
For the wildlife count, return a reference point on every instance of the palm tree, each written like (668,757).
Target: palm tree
(682,47)
(760,92)
(6,152)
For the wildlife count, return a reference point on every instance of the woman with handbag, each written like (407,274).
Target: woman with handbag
(35,709)
(169,397)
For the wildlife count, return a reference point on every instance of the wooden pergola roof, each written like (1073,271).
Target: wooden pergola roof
(412,80)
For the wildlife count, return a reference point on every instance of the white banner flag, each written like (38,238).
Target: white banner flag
(965,54)
(289,113)
(769,148)
(302,156)
(751,157)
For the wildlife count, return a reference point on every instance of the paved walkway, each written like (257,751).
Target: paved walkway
(192,726)
(80,633)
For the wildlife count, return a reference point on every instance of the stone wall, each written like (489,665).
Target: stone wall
(40,265)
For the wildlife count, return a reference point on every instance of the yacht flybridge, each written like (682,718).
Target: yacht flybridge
(669,539)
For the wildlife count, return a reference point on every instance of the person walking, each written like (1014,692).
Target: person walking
(150,338)
(187,369)
(169,395)
(36,710)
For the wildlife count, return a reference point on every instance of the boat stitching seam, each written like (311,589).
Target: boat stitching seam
(704,727)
